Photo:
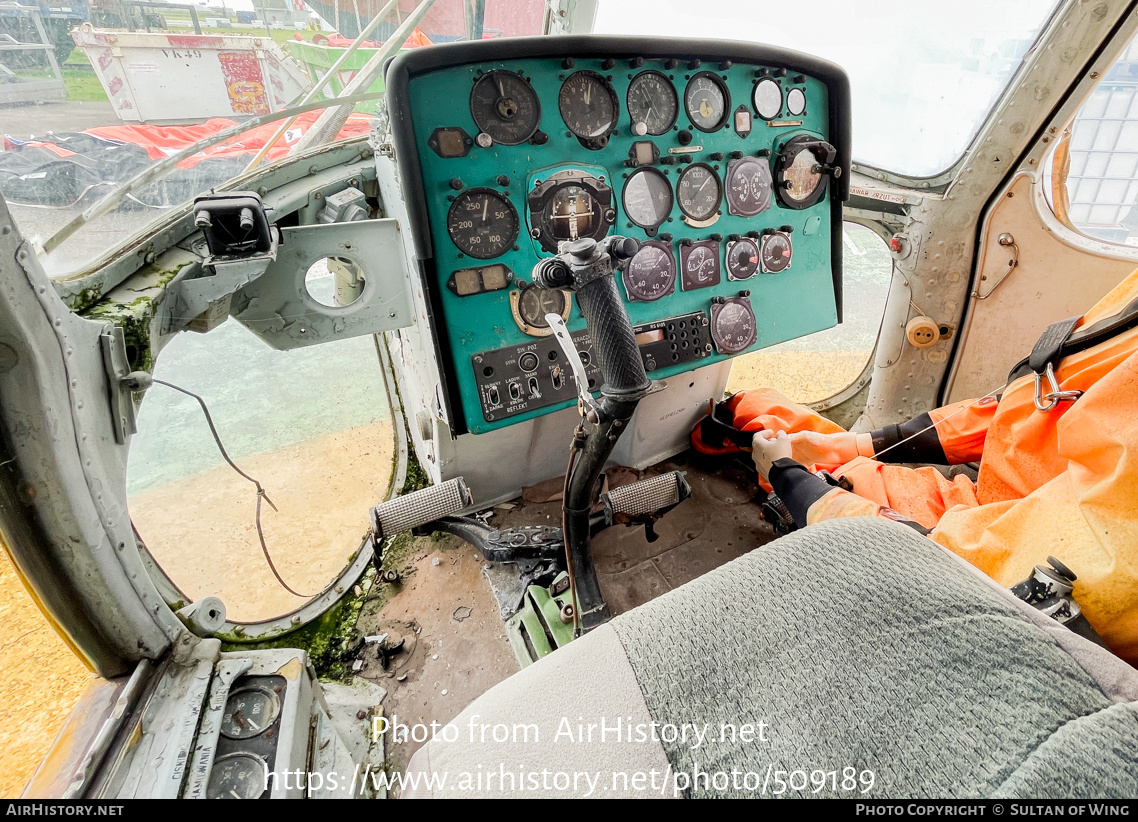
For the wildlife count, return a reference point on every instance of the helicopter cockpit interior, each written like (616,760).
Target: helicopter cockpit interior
(559,246)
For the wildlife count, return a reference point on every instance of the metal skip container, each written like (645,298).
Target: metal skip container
(168,79)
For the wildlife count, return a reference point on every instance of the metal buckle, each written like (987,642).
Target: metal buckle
(1054,395)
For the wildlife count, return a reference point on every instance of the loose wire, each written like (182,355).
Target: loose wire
(977,401)
(261,493)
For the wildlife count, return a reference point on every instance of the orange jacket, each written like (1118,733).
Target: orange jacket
(1062,482)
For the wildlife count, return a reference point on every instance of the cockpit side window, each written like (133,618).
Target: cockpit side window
(820,365)
(1093,185)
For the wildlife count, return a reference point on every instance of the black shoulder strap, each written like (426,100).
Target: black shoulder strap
(1050,348)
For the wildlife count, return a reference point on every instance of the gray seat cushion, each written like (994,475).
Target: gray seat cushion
(862,648)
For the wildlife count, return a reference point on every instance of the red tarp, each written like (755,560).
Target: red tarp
(162,141)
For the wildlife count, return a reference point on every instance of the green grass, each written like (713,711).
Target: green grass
(82,84)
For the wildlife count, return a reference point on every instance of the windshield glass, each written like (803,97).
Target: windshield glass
(923,74)
(102,93)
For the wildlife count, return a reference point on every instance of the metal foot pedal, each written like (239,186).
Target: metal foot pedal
(412,510)
(648,496)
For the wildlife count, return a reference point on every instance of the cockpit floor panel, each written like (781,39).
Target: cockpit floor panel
(718,523)
(454,640)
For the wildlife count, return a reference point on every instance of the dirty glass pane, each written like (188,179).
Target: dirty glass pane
(923,74)
(1100,151)
(312,425)
(820,365)
(128,89)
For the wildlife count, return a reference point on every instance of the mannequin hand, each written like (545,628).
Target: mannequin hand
(766,447)
(810,448)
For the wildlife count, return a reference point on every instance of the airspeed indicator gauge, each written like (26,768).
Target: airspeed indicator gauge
(733,325)
(505,107)
(706,101)
(482,223)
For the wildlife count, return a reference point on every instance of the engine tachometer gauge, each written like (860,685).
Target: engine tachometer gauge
(699,192)
(767,98)
(748,186)
(699,264)
(651,273)
(505,107)
(742,259)
(237,776)
(706,101)
(652,104)
(249,711)
(647,198)
(589,107)
(776,252)
(482,223)
(733,326)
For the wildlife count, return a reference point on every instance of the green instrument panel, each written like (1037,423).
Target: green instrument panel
(727,161)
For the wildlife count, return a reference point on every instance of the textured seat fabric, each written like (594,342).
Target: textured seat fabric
(858,644)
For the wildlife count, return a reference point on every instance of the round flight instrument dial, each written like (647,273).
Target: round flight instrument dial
(776,252)
(742,259)
(699,192)
(588,106)
(748,186)
(530,304)
(652,104)
(237,776)
(248,712)
(706,101)
(505,107)
(647,198)
(796,102)
(733,325)
(651,273)
(700,265)
(767,98)
(482,223)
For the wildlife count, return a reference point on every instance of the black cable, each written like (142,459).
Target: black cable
(261,493)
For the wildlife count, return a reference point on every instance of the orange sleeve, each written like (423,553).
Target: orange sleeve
(962,428)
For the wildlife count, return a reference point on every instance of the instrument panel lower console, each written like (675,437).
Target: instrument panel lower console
(727,161)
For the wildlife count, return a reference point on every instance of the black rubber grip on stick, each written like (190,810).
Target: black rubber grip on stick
(613,341)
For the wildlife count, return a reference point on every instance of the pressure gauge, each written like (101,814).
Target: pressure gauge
(699,192)
(733,326)
(742,259)
(249,711)
(776,252)
(651,273)
(237,776)
(748,186)
(699,264)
